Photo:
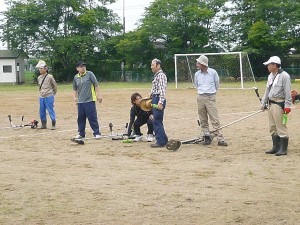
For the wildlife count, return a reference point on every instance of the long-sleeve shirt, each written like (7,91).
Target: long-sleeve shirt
(207,82)
(159,85)
(49,86)
(136,111)
(279,87)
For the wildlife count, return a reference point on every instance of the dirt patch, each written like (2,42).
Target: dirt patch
(47,179)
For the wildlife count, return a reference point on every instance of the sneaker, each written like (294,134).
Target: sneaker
(138,138)
(150,137)
(221,140)
(156,145)
(97,136)
(222,143)
(78,136)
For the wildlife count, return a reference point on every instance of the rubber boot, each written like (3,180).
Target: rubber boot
(53,125)
(207,140)
(283,146)
(44,124)
(276,144)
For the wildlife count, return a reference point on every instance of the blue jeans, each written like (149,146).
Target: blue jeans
(47,103)
(87,110)
(158,117)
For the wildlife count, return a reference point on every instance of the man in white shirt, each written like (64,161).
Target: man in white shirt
(207,84)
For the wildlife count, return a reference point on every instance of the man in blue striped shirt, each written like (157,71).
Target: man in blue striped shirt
(207,84)
(158,93)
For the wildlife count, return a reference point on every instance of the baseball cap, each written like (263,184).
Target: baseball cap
(79,63)
(273,59)
(41,64)
(202,60)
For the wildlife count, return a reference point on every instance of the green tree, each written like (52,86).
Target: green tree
(184,26)
(61,30)
(265,28)
(257,22)
(169,27)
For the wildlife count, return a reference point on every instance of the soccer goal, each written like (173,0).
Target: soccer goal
(234,69)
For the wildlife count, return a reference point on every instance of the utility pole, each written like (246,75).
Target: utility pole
(123,16)
(123,60)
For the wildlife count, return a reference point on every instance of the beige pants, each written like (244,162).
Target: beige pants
(275,120)
(207,107)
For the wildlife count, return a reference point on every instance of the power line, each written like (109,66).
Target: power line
(129,7)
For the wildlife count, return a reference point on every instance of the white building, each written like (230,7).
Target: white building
(12,67)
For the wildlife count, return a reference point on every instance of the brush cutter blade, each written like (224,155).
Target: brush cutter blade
(173,145)
(78,141)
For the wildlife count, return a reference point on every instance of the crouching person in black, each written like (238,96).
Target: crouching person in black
(138,118)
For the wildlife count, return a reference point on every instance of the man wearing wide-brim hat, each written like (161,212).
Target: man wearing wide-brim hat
(47,91)
(207,84)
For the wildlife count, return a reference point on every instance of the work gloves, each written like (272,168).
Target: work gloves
(287,110)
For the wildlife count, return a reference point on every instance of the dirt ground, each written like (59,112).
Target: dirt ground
(47,179)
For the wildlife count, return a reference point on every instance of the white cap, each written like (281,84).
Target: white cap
(202,60)
(41,64)
(273,59)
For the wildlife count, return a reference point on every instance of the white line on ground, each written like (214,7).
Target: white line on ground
(71,130)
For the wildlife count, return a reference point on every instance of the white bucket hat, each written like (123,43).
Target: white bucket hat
(41,64)
(273,59)
(202,60)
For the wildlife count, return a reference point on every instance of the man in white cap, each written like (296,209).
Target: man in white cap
(47,91)
(207,84)
(278,97)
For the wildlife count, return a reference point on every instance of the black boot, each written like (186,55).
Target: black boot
(44,124)
(53,125)
(207,140)
(283,146)
(276,144)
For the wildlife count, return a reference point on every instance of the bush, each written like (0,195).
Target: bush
(230,79)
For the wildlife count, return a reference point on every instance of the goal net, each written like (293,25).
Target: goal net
(233,68)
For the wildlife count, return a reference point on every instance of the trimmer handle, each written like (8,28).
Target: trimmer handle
(110,127)
(257,94)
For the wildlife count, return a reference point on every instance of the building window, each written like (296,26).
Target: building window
(7,69)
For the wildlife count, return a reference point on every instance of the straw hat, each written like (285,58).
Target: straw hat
(146,104)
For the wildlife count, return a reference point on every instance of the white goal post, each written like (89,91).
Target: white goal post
(234,69)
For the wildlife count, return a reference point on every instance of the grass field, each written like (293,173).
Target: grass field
(27,87)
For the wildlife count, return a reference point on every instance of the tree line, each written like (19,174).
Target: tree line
(64,31)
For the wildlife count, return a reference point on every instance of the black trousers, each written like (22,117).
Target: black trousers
(140,122)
